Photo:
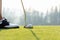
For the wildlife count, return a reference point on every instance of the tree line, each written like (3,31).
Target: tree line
(36,18)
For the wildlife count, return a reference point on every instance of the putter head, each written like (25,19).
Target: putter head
(28,26)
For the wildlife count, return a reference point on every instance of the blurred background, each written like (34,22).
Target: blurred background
(38,12)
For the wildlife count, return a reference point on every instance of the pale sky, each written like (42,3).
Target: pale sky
(40,5)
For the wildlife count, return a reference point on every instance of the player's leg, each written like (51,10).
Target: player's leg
(0,9)
(3,21)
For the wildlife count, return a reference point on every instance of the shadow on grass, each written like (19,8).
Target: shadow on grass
(34,35)
(7,28)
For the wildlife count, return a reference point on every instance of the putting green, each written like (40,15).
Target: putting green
(37,33)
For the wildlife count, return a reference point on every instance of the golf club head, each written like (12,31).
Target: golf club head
(28,26)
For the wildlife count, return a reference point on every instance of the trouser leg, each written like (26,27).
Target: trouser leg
(0,9)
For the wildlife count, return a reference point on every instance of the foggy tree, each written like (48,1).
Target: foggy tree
(54,17)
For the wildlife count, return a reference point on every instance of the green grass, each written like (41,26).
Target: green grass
(37,33)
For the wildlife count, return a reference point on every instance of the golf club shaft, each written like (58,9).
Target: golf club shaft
(24,12)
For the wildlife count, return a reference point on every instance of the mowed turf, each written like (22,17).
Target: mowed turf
(37,33)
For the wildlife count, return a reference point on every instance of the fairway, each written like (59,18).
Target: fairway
(37,33)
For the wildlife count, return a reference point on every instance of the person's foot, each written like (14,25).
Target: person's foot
(12,26)
(5,24)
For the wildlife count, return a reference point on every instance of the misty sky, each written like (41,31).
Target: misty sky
(40,5)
